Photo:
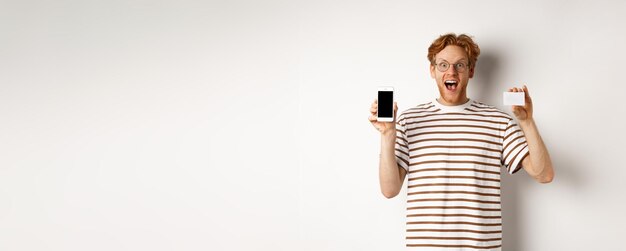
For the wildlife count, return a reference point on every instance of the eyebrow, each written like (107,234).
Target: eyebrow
(460,61)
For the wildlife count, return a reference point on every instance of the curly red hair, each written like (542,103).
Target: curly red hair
(464,41)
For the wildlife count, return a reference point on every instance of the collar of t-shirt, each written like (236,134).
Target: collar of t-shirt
(452,108)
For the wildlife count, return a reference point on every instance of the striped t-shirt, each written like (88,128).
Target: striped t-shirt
(453,156)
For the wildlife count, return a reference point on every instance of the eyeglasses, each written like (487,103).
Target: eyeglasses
(459,67)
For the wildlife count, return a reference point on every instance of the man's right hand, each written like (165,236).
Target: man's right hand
(391,176)
(383,127)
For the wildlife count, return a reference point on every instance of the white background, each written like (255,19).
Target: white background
(242,125)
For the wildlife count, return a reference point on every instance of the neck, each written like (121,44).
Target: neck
(461,101)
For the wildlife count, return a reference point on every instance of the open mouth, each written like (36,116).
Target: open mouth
(451,85)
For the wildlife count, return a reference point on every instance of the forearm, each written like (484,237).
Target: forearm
(540,163)
(389,174)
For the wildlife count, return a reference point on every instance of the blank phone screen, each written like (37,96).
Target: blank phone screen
(385,104)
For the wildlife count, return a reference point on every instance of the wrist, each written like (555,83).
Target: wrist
(527,122)
(389,133)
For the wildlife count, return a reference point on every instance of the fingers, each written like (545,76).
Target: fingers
(519,89)
(375,103)
(527,94)
(523,89)
(374,107)
(373,118)
(374,110)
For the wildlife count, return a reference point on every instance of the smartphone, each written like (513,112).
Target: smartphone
(385,104)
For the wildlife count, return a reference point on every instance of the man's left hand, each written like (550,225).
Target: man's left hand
(523,113)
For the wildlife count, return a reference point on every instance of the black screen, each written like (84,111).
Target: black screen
(385,104)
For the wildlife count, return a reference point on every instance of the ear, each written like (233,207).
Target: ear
(471,72)
(432,71)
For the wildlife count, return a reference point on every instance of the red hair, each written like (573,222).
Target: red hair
(463,41)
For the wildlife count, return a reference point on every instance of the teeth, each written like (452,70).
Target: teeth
(450,82)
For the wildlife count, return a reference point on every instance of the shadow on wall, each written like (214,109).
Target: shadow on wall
(483,84)
(514,186)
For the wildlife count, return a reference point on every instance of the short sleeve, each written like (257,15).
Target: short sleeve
(402,144)
(514,147)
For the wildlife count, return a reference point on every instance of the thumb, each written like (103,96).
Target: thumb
(526,93)
(516,110)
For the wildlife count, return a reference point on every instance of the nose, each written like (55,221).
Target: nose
(452,70)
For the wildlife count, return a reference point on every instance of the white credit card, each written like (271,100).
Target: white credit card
(514,98)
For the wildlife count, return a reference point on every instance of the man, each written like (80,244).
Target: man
(452,149)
